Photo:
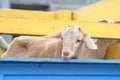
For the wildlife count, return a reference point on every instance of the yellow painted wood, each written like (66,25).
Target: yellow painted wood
(64,15)
(1,52)
(14,13)
(27,14)
(113,51)
(104,9)
(43,27)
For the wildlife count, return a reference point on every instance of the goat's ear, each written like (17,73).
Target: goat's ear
(89,42)
(54,35)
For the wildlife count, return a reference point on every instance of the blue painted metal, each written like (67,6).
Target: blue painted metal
(58,69)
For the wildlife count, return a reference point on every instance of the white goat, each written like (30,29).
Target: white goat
(68,41)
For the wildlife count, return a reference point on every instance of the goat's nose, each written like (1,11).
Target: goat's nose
(66,53)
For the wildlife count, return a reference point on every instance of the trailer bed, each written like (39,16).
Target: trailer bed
(58,69)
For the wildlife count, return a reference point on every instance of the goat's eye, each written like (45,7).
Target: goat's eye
(78,40)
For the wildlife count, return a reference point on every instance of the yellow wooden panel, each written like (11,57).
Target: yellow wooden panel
(27,14)
(64,15)
(104,9)
(113,51)
(43,27)
(1,52)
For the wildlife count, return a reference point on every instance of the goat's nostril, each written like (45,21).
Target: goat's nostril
(65,53)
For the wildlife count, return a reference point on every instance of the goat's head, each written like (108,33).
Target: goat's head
(72,37)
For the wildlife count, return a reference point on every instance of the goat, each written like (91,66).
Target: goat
(66,44)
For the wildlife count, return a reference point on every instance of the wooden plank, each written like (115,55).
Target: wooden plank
(14,13)
(27,14)
(104,9)
(64,15)
(43,27)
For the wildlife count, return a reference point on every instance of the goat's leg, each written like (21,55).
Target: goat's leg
(17,48)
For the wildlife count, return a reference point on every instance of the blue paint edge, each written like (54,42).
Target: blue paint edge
(53,60)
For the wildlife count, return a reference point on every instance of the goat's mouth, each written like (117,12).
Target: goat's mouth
(74,57)
(67,57)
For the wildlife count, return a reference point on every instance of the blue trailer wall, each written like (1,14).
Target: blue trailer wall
(58,69)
